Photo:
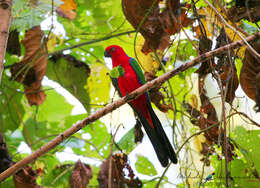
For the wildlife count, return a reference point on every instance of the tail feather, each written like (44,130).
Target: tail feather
(158,138)
(163,137)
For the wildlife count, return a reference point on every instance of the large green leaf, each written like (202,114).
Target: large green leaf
(243,170)
(57,174)
(11,107)
(96,140)
(126,143)
(249,145)
(27,14)
(34,130)
(55,108)
(144,166)
(72,75)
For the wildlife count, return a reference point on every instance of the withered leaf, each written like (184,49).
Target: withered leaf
(249,11)
(226,68)
(13,44)
(119,165)
(26,178)
(249,75)
(5,159)
(31,70)
(138,131)
(205,45)
(157,27)
(81,175)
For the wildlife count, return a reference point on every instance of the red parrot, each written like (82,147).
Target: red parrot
(131,79)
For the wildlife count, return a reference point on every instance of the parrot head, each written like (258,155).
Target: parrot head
(114,51)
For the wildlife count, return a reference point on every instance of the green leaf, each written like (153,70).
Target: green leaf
(96,141)
(184,49)
(12,109)
(144,166)
(58,176)
(242,170)
(34,130)
(26,14)
(9,182)
(117,71)
(55,108)
(247,144)
(249,27)
(74,143)
(71,74)
(127,143)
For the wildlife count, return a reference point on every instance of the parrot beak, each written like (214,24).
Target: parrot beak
(107,54)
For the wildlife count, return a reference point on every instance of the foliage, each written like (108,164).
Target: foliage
(189,102)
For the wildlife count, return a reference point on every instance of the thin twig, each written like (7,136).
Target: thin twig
(93,41)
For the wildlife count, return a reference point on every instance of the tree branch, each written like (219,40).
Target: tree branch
(5,17)
(112,106)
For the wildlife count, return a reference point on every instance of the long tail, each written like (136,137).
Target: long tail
(158,138)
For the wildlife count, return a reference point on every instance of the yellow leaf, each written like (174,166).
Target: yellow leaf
(234,37)
(98,84)
(52,40)
(148,62)
(208,18)
(194,101)
(198,140)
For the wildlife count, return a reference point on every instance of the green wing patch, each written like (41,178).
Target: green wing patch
(138,70)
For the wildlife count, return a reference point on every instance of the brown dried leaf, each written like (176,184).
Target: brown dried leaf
(81,175)
(5,159)
(31,70)
(249,70)
(157,27)
(205,45)
(67,10)
(249,75)
(138,131)
(251,14)
(226,67)
(118,165)
(13,44)
(26,178)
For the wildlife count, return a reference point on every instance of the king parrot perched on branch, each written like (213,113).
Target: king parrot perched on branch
(131,79)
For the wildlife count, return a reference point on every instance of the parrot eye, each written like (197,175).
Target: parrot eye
(112,49)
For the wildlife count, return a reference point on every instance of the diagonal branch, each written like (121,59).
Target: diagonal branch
(5,17)
(112,106)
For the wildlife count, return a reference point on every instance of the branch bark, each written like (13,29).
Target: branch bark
(111,107)
(5,17)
